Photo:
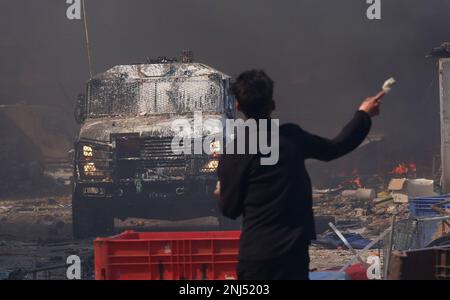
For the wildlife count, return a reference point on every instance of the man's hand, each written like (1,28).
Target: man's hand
(217,190)
(372,104)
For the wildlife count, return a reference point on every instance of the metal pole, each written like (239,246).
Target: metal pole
(346,243)
(366,248)
(443,218)
(389,250)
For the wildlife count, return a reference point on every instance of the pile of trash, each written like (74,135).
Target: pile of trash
(405,219)
(364,213)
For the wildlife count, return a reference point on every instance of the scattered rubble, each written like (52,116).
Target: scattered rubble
(35,235)
(36,238)
(406,214)
(360,209)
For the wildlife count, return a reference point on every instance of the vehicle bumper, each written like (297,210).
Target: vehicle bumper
(171,199)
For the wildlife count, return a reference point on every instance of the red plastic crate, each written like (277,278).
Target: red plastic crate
(211,255)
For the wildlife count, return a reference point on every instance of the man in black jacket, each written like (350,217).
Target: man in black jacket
(275,201)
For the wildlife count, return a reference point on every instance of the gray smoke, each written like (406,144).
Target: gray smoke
(325,56)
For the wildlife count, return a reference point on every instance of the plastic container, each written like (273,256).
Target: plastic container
(133,255)
(328,275)
(421,208)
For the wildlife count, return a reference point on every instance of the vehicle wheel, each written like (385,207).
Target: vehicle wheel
(90,219)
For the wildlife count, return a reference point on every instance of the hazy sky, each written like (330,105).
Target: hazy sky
(325,56)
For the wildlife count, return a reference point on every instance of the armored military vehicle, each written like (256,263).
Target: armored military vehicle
(124,165)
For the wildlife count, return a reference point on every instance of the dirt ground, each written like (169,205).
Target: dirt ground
(36,233)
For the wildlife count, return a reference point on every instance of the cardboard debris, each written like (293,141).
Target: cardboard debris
(402,189)
(397,184)
(400,198)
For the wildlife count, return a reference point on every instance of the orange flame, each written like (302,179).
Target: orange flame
(403,169)
(355,181)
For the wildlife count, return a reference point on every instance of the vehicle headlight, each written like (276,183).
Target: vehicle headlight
(211,166)
(87,151)
(94,160)
(89,169)
(214,147)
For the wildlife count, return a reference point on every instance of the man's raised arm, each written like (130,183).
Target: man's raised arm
(351,136)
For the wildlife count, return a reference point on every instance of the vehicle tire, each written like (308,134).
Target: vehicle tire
(90,219)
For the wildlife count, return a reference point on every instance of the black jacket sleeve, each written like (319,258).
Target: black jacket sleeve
(351,136)
(232,176)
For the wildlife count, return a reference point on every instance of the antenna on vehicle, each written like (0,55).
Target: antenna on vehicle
(86,32)
(186,56)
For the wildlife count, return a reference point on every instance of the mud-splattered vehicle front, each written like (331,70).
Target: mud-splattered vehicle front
(124,165)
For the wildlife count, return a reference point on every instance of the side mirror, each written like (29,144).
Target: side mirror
(80,109)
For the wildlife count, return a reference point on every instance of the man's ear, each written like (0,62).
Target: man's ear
(238,106)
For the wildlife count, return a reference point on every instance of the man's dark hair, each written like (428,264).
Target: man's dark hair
(254,91)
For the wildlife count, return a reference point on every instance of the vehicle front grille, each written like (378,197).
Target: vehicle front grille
(157,153)
(147,157)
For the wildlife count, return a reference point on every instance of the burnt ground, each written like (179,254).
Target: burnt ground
(36,233)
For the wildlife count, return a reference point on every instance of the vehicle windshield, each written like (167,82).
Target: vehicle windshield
(108,97)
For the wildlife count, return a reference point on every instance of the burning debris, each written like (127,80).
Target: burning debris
(404,170)
(365,211)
